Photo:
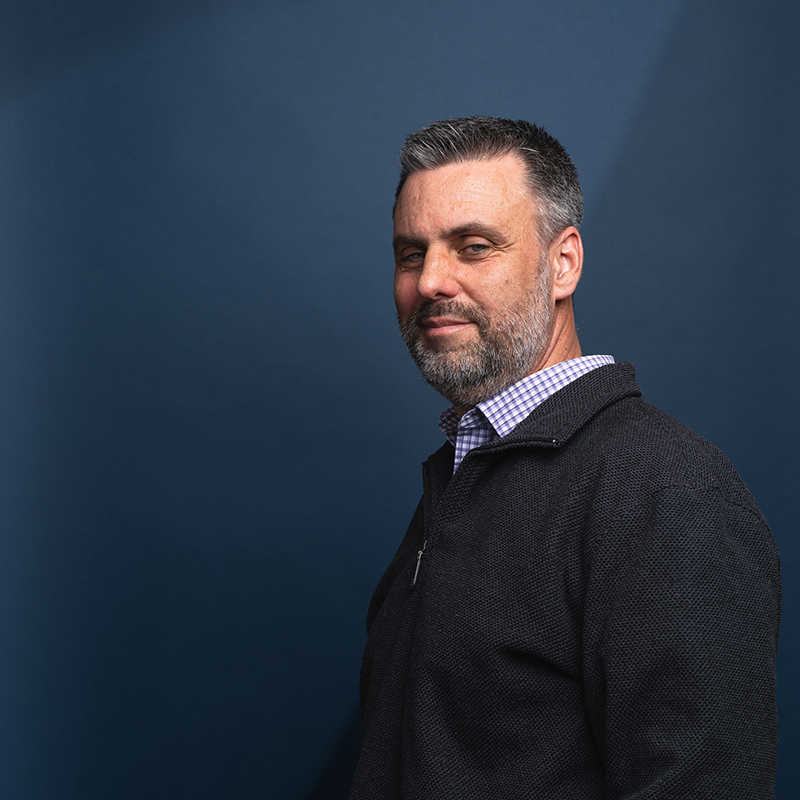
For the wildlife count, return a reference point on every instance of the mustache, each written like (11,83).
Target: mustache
(447,308)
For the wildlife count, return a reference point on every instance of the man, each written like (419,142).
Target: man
(586,603)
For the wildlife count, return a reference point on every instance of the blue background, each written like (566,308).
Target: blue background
(211,433)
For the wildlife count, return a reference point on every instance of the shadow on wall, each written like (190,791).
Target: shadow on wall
(334,783)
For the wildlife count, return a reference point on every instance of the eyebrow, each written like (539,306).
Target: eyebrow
(400,241)
(473,228)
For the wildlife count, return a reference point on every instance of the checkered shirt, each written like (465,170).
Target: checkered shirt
(498,416)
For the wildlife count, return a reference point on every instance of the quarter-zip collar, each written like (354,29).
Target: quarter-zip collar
(550,425)
(561,416)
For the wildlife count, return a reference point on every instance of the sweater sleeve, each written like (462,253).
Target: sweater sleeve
(681,630)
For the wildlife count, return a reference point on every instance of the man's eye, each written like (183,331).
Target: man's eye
(476,249)
(411,257)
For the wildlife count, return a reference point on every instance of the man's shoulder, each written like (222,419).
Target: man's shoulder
(601,421)
(636,432)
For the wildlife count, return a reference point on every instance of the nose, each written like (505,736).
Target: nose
(437,279)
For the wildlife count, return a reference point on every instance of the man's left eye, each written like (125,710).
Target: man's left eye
(476,249)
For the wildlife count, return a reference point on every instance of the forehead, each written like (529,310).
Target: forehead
(492,190)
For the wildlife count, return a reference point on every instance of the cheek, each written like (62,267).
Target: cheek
(404,295)
(492,294)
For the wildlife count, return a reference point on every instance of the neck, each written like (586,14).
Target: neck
(564,343)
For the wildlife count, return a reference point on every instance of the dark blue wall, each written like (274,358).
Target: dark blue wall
(211,432)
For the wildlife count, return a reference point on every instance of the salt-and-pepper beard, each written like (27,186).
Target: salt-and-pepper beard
(507,349)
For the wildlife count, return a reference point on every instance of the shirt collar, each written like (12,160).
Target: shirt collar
(506,410)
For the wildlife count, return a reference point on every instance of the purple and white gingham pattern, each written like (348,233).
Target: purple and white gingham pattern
(499,415)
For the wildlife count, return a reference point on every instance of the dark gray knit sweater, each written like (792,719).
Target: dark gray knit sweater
(595,616)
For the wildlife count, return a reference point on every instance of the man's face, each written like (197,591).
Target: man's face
(472,283)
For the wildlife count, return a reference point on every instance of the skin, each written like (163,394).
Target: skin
(467,232)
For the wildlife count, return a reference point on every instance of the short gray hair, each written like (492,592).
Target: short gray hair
(552,177)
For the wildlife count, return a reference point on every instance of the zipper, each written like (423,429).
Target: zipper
(426,519)
(419,563)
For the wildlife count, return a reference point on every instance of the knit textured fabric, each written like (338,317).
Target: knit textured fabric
(595,616)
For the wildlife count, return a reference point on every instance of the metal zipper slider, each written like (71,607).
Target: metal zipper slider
(419,562)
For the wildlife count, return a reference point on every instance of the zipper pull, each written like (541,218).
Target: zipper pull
(419,562)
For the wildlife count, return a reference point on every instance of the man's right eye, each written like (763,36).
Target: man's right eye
(410,258)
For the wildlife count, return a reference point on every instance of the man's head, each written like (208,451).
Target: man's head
(487,255)
(552,179)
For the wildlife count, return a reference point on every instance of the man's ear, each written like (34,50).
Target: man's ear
(566,259)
